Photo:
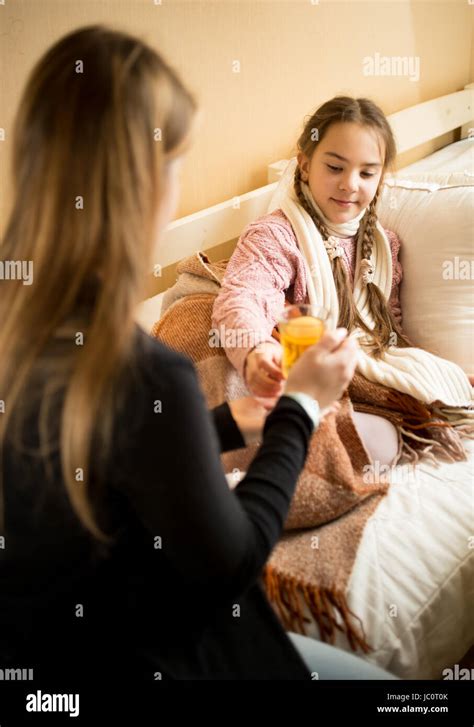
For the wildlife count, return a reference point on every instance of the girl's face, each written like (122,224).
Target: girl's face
(344,171)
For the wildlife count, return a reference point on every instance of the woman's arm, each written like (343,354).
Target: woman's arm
(248,416)
(227,428)
(240,422)
(215,538)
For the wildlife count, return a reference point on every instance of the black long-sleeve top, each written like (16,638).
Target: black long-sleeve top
(178,594)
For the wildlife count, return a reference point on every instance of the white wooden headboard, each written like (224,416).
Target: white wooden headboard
(211,227)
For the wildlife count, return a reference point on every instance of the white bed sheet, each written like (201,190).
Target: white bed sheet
(412,584)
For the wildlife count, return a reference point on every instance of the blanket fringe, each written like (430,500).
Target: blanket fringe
(442,441)
(444,445)
(324,604)
(433,432)
(423,417)
(408,405)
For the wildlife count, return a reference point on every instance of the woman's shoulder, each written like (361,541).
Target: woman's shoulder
(156,361)
(152,348)
(153,372)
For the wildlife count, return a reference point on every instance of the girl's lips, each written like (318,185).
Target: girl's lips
(342,204)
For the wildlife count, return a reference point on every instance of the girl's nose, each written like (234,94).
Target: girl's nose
(348,182)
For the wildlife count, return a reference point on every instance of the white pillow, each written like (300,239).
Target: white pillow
(456,157)
(434,219)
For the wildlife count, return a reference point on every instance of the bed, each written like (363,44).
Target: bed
(412,584)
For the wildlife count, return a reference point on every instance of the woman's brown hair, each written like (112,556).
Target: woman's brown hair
(100,117)
(364,112)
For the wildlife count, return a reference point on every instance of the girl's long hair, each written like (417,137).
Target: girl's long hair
(364,112)
(101,116)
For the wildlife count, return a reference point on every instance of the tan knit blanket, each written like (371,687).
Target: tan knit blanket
(311,564)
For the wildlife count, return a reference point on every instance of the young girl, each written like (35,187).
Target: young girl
(343,153)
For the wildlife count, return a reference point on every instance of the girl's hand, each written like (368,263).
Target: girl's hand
(263,374)
(471,380)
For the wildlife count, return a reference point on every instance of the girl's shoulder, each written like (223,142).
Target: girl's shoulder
(276,224)
(277,217)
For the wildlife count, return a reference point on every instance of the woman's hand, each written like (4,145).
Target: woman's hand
(325,370)
(471,380)
(263,374)
(249,415)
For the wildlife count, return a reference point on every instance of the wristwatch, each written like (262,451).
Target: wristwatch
(309,404)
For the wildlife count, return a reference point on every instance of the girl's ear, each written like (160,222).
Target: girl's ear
(303,163)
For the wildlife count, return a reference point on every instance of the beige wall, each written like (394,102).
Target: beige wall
(293,56)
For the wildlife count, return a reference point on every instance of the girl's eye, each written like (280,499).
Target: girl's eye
(338,169)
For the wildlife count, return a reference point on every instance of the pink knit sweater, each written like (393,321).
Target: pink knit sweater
(267,267)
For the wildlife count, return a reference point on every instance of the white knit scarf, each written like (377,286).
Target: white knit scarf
(412,371)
